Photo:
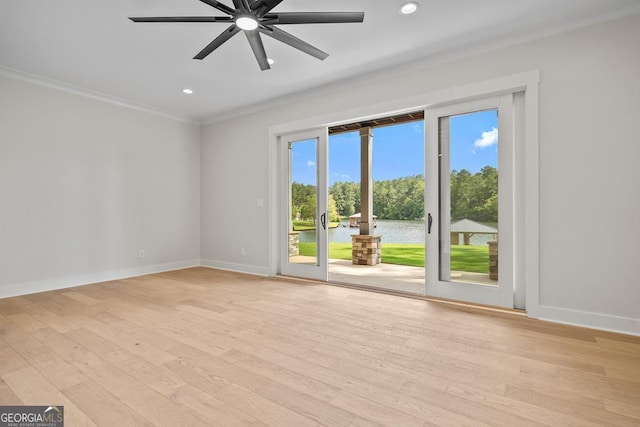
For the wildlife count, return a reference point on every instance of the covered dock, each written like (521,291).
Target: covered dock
(354,220)
(467,228)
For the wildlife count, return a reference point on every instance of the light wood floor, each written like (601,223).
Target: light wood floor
(205,347)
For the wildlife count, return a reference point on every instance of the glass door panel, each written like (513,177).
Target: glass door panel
(470,201)
(304,217)
(468,157)
(303,200)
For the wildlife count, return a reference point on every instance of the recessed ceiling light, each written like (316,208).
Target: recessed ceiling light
(271,61)
(187,91)
(247,23)
(409,8)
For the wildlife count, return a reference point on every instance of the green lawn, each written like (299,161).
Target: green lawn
(463,258)
(310,225)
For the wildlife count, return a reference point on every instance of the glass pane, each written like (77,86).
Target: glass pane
(469,198)
(303,204)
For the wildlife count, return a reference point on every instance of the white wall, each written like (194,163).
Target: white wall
(589,156)
(85,185)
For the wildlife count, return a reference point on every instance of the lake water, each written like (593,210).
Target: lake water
(392,231)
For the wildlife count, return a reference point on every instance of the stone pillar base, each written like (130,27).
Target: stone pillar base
(366,250)
(294,243)
(493,259)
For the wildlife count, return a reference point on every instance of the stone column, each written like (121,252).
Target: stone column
(493,259)
(294,243)
(366,249)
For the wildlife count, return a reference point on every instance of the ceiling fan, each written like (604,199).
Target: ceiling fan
(254,18)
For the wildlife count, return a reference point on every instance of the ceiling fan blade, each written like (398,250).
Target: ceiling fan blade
(218,41)
(313,17)
(261,7)
(293,41)
(246,5)
(221,7)
(258,49)
(237,4)
(184,19)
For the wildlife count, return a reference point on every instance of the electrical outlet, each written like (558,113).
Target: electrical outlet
(243,252)
(141,253)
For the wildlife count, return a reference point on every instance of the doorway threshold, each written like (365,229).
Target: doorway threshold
(393,292)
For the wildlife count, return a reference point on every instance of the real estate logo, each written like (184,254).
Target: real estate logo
(31,416)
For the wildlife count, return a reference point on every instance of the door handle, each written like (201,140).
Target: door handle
(323,220)
(429,223)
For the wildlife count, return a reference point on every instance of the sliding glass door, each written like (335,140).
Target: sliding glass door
(469,206)
(469,201)
(304,223)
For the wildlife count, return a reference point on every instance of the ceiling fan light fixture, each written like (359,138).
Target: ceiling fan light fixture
(256,19)
(247,23)
(409,8)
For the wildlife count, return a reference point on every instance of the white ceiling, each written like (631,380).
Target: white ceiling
(92,46)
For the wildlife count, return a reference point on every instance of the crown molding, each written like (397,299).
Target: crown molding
(95,95)
(437,58)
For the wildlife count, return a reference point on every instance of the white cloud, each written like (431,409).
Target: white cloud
(311,163)
(344,176)
(488,139)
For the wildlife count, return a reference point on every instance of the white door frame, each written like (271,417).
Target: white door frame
(437,202)
(319,271)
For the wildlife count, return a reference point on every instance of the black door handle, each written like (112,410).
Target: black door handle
(323,220)
(429,222)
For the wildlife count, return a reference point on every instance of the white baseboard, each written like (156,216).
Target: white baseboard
(238,268)
(45,285)
(605,322)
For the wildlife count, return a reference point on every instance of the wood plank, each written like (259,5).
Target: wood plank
(26,321)
(591,413)
(54,369)
(7,396)
(378,395)
(122,333)
(207,347)
(213,410)
(374,411)
(310,406)
(11,360)
(622,408)
(281,374)
(33,389)
(102,407)
(263,409)
(158,378)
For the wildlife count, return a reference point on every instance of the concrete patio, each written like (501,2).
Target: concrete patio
(401,278)
(394,277)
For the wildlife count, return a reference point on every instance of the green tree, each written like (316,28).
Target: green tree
(303,200)
(475,196)
(333,214)
(347,197)
(308,211)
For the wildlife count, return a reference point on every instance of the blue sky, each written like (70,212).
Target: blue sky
(474,141)
(398,151)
